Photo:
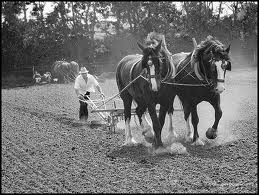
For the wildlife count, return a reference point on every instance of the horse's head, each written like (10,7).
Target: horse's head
(214,62)
(153,62)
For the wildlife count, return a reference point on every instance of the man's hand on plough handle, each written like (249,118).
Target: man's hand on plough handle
(81,97)
(102,95)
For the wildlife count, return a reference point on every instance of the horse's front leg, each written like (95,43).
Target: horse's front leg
(195,120)
(156,126)
(147,131)
(212,133)
(171,136)
(127,100)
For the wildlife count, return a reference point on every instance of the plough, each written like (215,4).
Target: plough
(112,116)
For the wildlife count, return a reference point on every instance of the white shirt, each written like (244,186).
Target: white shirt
(82,86)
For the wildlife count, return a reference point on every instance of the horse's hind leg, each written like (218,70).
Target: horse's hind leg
(156,126)
(127,100)
(172,136)
(187,111)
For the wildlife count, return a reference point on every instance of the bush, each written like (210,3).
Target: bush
(11,80)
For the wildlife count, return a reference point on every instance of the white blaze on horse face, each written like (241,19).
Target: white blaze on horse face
(153,80)
(220,85)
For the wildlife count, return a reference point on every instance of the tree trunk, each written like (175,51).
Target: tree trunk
(117,24)
(93,22)
(86,19)
(185,5)
(73,15)
(200,10)
(134,17)
(129,20)
(218,18)
(41,6)
(235,13)
(24,11)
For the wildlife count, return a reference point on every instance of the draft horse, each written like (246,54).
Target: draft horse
(200,76)
(153,65)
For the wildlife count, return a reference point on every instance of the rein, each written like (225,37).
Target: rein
(212,60)
(207,84)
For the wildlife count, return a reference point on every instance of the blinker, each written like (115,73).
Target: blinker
(226,66)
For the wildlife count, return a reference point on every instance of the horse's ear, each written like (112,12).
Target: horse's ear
(158,47)
(227,50)
(141,46)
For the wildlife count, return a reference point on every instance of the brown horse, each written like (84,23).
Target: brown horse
(65,71)
(200,76)
(146,71)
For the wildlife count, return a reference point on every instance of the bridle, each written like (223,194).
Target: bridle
(150,64)
(225,66)
(209,82)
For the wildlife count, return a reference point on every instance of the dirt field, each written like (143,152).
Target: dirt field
(46,150)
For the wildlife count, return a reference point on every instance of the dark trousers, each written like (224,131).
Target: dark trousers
(83,111)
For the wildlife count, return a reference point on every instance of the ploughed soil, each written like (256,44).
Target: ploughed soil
(45,149)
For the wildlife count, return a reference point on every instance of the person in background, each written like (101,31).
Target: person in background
(153,39)
(36,77)
(85,83)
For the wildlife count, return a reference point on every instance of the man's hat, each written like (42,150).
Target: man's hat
(83,70)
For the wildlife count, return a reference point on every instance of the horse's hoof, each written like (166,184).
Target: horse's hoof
(177,148)
(188,138)
(198,142)
(211,133)
(130,142)
(149,137)
(160,150)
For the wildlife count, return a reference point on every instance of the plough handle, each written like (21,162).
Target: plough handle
(122,90)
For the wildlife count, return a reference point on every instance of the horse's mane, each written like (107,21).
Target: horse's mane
(206,46)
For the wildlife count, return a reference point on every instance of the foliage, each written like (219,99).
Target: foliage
(69,30)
